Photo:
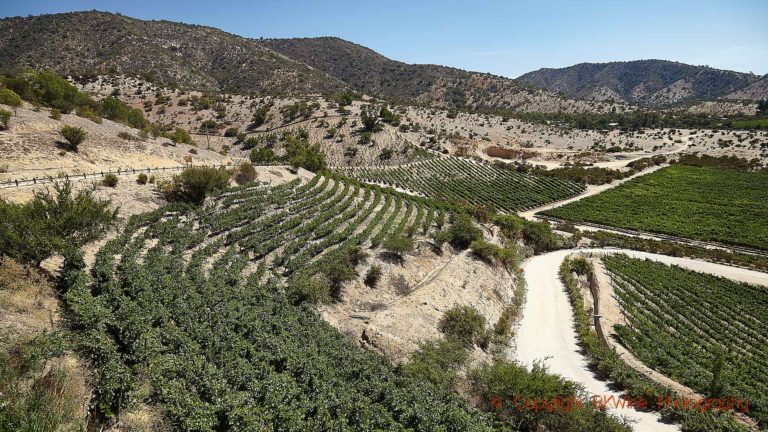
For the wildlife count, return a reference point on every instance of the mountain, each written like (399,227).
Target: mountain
(189,56)
(758,90)
(205,58)
(372,73)
(642,82)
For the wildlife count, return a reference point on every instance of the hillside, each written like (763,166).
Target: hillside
(643,82)
(447,87)
(758,90)
(189,56)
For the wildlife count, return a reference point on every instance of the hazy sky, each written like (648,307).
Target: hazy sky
(502,37)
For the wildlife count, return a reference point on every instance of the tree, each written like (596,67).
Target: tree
(5,117)
(463,231)
(303,155)
(74,135)
(194,184)
(463,324)
(370,120)
(53,220)
(10,98)
(372,276)
(245,173)
(398,245)
(262,155)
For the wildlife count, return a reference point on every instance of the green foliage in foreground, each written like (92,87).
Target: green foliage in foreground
(708,204)
(677,318)
(52,221)
(226,354)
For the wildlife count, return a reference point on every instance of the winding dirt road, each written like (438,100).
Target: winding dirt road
(545,332)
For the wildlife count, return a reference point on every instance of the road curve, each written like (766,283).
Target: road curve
(545,332)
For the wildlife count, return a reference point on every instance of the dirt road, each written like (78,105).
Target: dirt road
(546,330)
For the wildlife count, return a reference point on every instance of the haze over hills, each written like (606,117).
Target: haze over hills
(646,82)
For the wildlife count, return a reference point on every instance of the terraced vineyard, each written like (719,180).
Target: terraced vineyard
(461,180)
(707,204)
(201,304)
(680,319)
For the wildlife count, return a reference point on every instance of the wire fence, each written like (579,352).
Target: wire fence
(100,174)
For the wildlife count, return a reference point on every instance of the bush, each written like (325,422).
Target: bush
(74,136)
(179,136)
(52,221)
(231,132)
(5,117)
(88,112)
(372,276)
(485,250)
(141,179)
(10,98)
(303,155)
(109,180)
(262,155)
(245,173)
(55,114)
(465,325)
(194,184)
(437,362)
(398,245)
(463,231)
(312,290)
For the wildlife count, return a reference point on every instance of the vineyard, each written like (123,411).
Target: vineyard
(725,206)
(461,180)
(705,332)
(202,305)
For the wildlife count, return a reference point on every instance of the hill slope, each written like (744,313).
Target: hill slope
(443,86)
(188,55)
(644,82)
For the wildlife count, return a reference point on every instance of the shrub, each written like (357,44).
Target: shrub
(141,179)
(398,244)
(245,173)
(126,136)
(88,112)
(303,155)
(465,325)
(52,221)
(463,231)
(437,362)
(194,184)
(109,180)
(55,114)
(372,276)
(74,135)
(179,136)
(262,155)
(5,117)
(231,132)
(484,250)
(312,290)
(10,98)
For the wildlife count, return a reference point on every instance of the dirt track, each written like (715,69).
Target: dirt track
(546,330)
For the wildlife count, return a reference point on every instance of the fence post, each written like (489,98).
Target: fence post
(34,180)
(17,182)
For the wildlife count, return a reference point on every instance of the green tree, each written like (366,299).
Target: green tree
(262,155)
(194,184)
(10,98)
(74,135)
(465,325)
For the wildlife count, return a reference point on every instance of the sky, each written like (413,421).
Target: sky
(506,38)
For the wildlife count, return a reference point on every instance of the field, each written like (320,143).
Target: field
(206,305)
(707,204)
(461,180)
(680,320)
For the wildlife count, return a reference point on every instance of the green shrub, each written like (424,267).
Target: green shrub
(179,136)
(88,112)
(109,180)
(141,179)
(262,155)
(231,132)
(55,114)
(465,325)
(245,173)
(194,184)
(463,231)
(303,155)
(312,290)
(74,135)
(10,98)
(52,221)
(5,117)
(485,250)
(437,362)
(372,276)
(398,244)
